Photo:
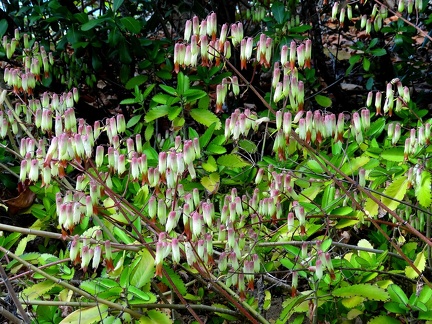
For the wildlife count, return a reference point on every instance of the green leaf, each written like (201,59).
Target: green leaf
(148,133)
(205,117)
(384,319)
(315,166)
(164,75)
(394,154)
(376,128)
(205,138)
(131,24)
(366,64)
(224,315)
(156,112)
(204,102)
(300,29)
(354,59)
(423,190)
(92,24)
(379,52)
(133,121)
(342,211)
(354,164)
(194,94)
(168,89)
(289,307)
(247,145)
(88,315)
(215,149)
(3,27)
(323,101)
(138,293)
(362,290)
(232,161)
(174,112)
(176,279)
(395,308)
(419,263)
(136,81)
(192,133)
(396,190)
(397,295)
(142,269)
(278,11)
(117,4)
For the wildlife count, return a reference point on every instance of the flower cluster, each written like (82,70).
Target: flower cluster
(392,102)
(82,251)
(201,40)
(35,62)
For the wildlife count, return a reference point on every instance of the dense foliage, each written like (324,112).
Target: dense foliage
(167,162)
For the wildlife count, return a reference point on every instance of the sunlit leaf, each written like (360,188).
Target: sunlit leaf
(419,263)
(155,317)
(205,117)
(142,269)
(362,290)
(395,190)
(37,290)
(211,183)
(232,161)
(423,189)
(87,315)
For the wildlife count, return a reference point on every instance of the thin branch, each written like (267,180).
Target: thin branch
(66,285)
(14,296)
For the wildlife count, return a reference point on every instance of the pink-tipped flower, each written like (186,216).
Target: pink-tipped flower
(276,75)
(369,99)
(378,99)
(243,64)
(278,95)
(356,122)
(301,55)
(290,222)
(268,51)
(220,97)
(342,17)
(96,256)
(188,30)
(86,255)
(401,6)
(179,56)
(204,50)
(223,261)
(335,9)
(410,6)
(319,269)
(284,55)
(190,254)
(74,250)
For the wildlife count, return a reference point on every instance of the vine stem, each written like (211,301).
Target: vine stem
(14,296)
(9,316)
(66,285)
(147,306)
